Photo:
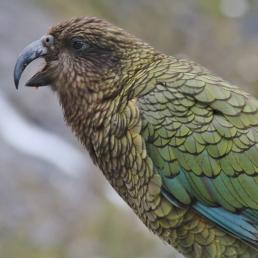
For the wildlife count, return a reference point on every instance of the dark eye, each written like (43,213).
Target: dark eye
(78,44)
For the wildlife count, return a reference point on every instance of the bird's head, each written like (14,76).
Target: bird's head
(86,55)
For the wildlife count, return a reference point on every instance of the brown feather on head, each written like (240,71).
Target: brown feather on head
(86,53)
(90,53)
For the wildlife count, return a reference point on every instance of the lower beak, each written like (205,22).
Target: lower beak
(33,51)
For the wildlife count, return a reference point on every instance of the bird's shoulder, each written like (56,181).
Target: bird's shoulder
(201,133)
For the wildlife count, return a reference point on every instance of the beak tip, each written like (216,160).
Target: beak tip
(17,74)
(16,82)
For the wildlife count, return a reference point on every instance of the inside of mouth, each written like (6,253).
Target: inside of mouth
(35,67)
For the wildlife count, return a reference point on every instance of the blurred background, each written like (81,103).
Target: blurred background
(53,202)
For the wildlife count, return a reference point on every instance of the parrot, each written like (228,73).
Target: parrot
(178,143)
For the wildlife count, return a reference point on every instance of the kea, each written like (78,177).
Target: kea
(178,143)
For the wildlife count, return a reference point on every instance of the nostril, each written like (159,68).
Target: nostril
(48,40)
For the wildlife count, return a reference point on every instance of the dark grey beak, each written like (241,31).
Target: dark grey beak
(33,51)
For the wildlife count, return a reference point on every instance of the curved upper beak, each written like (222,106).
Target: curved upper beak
(33,51)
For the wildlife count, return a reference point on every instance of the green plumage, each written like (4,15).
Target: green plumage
(206,129)
(201,135)
(179,144)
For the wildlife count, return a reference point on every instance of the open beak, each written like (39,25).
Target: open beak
(33,51)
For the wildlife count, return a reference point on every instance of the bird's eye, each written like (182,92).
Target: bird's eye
(78,44)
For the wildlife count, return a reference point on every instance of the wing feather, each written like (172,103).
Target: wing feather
(202,136)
